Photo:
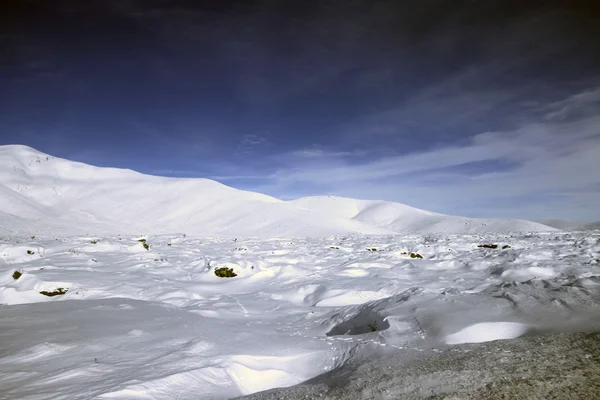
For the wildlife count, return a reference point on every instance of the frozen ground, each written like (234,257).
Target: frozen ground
(157,323)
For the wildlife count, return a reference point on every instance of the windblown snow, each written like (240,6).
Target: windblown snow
(108,283)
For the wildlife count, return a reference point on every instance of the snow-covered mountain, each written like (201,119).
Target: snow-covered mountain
(39,192)
(401,218)
(570,225)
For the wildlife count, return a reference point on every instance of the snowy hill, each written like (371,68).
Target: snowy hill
(39,192)
(401,218)
(570,225)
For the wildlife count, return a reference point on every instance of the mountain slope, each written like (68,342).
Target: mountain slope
(61,194)
(401,218)
(571,225)
(44,193)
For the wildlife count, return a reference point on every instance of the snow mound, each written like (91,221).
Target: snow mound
(45,194)
(488,331)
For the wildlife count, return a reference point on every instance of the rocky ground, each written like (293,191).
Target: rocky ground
(553,366)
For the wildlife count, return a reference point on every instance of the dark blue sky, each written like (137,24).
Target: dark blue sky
(469,107)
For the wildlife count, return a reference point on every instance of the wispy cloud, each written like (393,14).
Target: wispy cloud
(250,144)
(316,153)
(586,102)
(548,162)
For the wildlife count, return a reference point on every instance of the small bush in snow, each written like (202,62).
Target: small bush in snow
(371,249)
(505,247)
(225,272)
(16,275)
(58,292)
(415,255)
(488,246)
(30,252)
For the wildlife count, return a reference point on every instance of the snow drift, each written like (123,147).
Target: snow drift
(44,193)
(157,323)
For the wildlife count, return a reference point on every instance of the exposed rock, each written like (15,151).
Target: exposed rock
(554,366)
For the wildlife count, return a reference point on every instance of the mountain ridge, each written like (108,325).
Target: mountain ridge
(56,194)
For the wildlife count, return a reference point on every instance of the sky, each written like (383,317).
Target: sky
(476,108)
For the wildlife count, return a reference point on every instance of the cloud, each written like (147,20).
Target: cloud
(235,177)
(320,153)
(250,144)
(550,162)
(582,103)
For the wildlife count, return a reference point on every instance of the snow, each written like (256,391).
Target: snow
(317,286)
(487,331)
(400,218)
(55,194)
(571,225)
(159,323)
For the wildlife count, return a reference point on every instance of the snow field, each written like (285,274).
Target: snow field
(158,323)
